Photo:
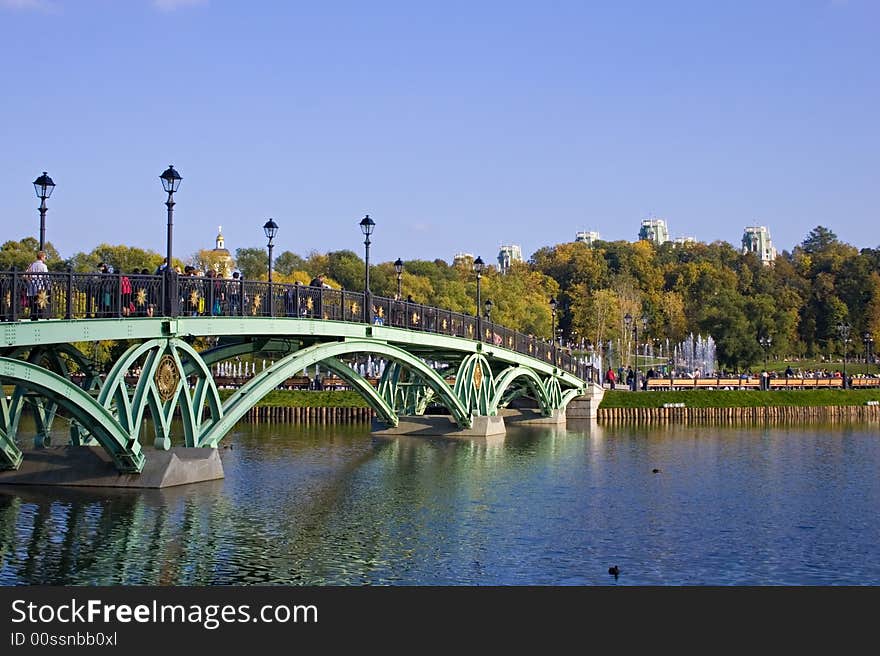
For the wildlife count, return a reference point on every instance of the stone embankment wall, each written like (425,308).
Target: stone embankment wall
(787,413)
(310,415)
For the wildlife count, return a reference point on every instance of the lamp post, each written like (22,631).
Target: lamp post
(367,225)
(271,229)
(553,305)
(488,307)
(843,329)
(868,341)
(479,266)
(627,320)
(170,182)
(765,341)
(44,188)
(398,266)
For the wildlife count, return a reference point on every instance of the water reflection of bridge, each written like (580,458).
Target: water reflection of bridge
(469,366)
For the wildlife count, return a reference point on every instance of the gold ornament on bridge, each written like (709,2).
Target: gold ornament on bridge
(443,323)
(194,298)
(42,299)
(380,311)
(7,300)
(530,349)
(510,341)
(141,296)
(478,376)
(258,298)
(355,307)
(488,334)
(471,331)
(415,319)
(167,378)
(310,304)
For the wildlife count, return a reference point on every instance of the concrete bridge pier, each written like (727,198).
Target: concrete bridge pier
(586,406)
(534,417)
(441,425)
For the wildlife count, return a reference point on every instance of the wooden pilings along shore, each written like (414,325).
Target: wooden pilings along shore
(770,413)
(310,415)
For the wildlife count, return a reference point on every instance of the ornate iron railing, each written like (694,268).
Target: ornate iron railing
(69,295)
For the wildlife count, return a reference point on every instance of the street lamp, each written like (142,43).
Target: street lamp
(553,305)
(44,188)
(170,183)
(765,341)
(868,341)
(398,266)
(367,225)
(843,329)
(479,266)
(271,229)
(488,306)
(627,320)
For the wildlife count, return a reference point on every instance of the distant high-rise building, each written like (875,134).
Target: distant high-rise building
(463,258)
(681,241)
(508,253)
(654,230)
(588,236)
(756,239)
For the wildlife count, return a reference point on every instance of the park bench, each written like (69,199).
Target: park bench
(805,383)
(703,383)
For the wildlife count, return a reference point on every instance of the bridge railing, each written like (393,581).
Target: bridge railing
(69,295)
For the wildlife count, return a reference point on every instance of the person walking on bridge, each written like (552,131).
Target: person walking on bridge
(38,286)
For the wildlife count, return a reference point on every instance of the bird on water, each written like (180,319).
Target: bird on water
(614,570)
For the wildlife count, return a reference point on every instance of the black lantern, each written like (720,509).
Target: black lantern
(488,307)
(479,267)
(270,228)
(44,188)
(367,226)
(843,329)
(170,182)
(398,266)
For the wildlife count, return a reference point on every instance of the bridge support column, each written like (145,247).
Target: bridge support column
(528,416)
(587,405)
(92,467)
(442,425)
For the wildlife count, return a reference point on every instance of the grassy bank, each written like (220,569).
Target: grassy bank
(739,398)
(306,399)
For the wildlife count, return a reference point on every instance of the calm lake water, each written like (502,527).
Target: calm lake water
(793,505)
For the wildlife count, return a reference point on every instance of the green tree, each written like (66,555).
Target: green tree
(287,263)
(20,254)
(252,262)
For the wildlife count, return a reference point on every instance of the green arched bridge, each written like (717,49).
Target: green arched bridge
(471,367)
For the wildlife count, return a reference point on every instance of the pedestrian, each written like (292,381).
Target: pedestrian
(38,286)
(609,377)
(317,297)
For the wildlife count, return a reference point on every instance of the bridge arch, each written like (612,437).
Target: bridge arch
(244,397)
(532,380)
(123,449)
(162,403)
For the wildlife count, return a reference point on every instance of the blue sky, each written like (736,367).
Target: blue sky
(457,126)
